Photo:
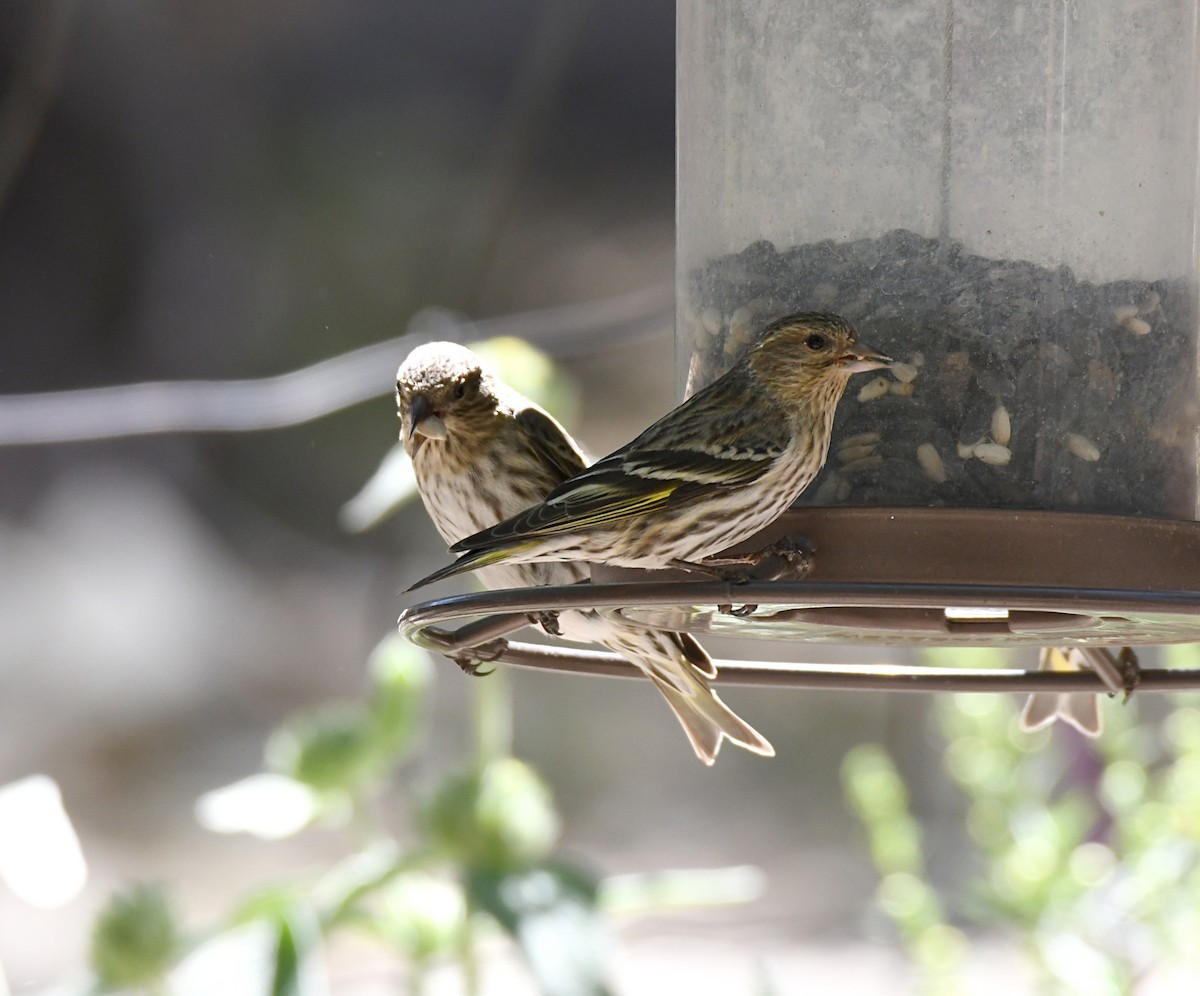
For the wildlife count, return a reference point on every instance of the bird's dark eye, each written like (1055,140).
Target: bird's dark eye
(816,342)
(460,390)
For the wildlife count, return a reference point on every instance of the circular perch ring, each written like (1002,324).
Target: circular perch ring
(682,602)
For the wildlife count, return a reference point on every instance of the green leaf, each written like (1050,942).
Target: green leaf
(550,911)
(400,674)
(297,941)
(423,915)
(269,903)
(343,891)
(135,940)
(285,980)
(495,819)
(330,750)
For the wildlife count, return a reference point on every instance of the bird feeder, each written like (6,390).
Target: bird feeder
(1002,197)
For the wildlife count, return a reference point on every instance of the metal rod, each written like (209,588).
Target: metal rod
(423,625)
(850,677)
(472,634)
(802,593)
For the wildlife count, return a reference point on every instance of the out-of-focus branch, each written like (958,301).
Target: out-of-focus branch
(315,391)
(28,94)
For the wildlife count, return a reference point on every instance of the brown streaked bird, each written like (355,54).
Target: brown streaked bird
(481,453)
(708,475)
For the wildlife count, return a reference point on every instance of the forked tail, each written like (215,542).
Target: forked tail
(679,667)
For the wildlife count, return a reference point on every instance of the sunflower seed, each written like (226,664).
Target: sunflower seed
(848,454)
(833,490)
(1082,447)
(1001,426)
(992,453)
(1138,326)
(873,389)
(862,463)
(931,462)
(860,439)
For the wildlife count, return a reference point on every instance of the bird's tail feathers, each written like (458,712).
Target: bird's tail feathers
(707,720)
(1079,709)
(695,654)
(472,561)
(680,668)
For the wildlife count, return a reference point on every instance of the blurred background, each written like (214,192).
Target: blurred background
(227,190)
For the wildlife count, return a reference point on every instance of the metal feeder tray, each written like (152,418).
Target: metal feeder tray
(900,576)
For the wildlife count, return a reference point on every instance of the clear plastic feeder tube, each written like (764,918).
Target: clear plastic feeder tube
(1002,196)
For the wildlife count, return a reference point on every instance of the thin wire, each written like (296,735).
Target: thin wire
(850,677)
(314,391)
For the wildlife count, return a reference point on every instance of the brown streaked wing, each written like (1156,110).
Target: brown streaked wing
(551,443)
(636,480)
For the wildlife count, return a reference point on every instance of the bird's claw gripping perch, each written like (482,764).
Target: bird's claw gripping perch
(1121,671)
(548,620)
(727,609)
(473,658)
(789,558)
(1131,671)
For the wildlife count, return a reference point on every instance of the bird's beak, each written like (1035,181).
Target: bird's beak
(864,357)
(425,421)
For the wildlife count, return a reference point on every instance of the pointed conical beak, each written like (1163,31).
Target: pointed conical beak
(864,357)
(424,421)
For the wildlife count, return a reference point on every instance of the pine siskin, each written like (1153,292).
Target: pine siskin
(482,452)
(711,473)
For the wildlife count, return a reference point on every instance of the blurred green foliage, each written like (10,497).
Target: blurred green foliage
(496,818)
(480,855)
(136,941)
(480,861)
(1087,850)
(877,794)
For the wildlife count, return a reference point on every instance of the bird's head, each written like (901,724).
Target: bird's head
(795,355)
(442,390)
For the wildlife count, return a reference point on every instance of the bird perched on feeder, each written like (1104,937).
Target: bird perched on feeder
(482,452)
(708,475)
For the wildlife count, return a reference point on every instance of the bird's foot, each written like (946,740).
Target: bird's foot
(548,620)
(739,612)
(471,660)
(1131,671)
(788,558)
(731,570)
